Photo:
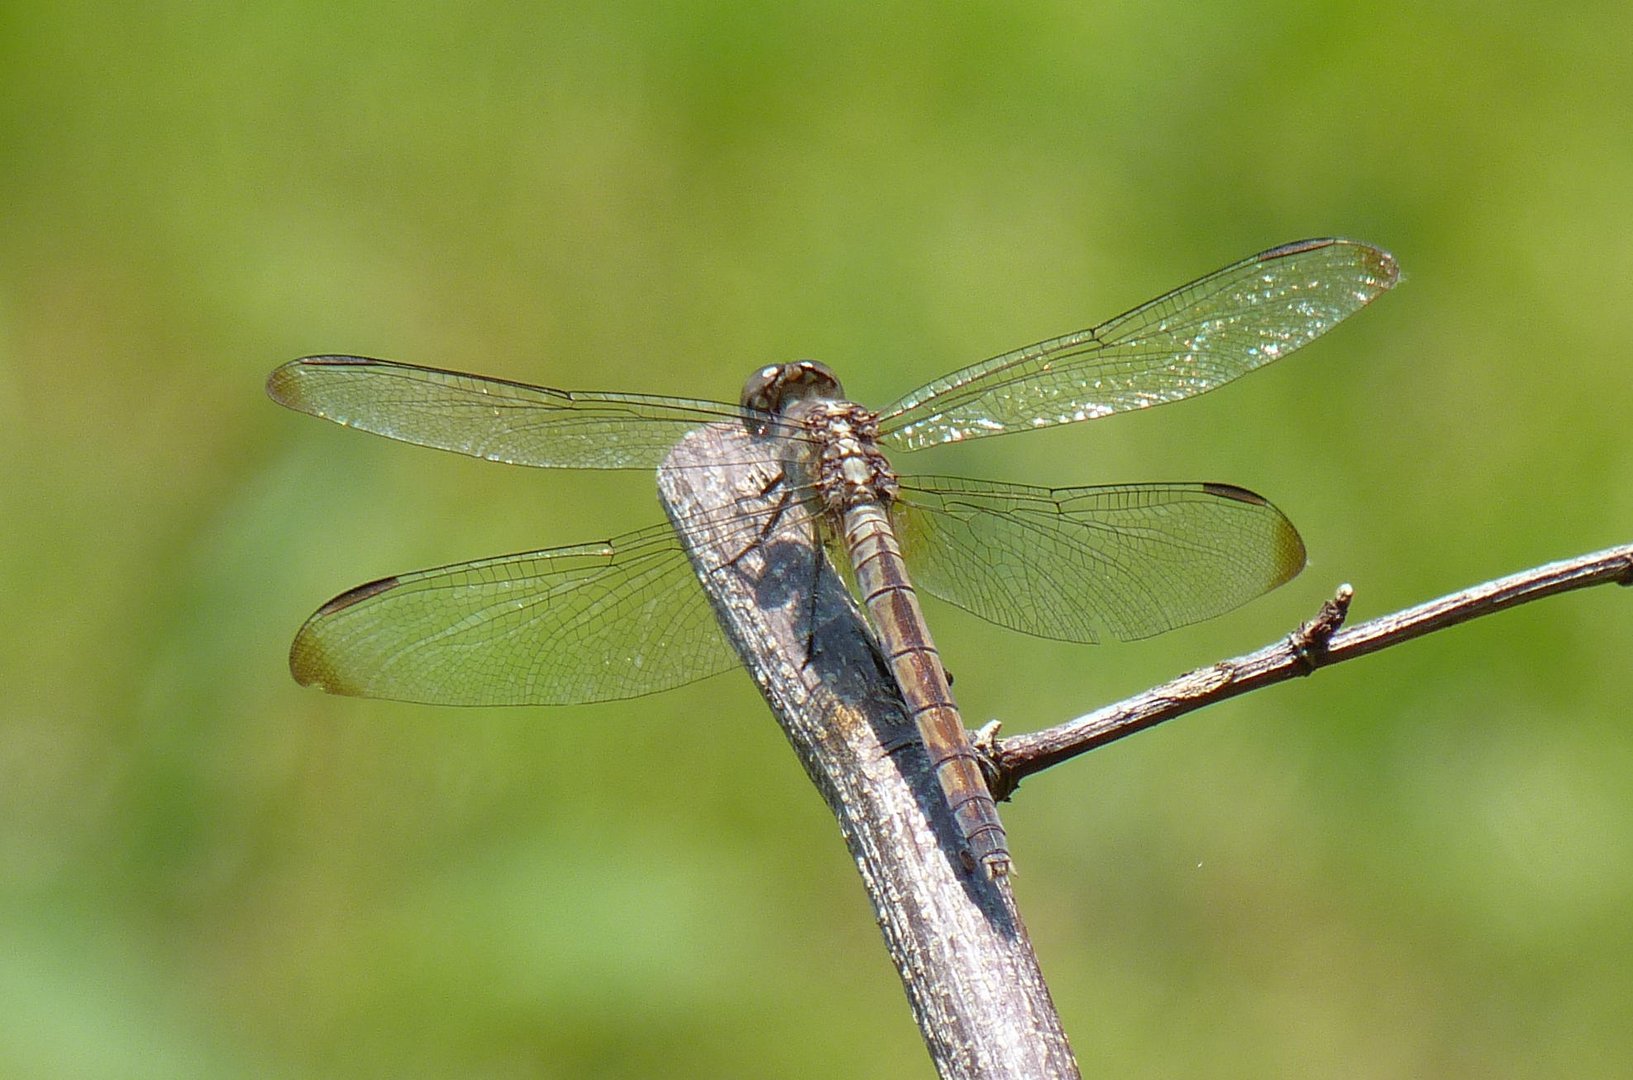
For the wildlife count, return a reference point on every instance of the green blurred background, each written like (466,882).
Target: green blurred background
(1415,865)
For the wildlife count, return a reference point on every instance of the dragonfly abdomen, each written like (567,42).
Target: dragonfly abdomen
(893,608)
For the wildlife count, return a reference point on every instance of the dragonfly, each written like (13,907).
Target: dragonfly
(625,617)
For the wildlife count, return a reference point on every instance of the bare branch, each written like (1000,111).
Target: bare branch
(956,938)
(1317,644)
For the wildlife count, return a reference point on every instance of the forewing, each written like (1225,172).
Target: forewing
(491,418)
(593,622)
(1185,343)
(1082,564)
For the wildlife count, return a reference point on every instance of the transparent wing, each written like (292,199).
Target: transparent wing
(592,622)
(1080,564)
(1192,340)
(492,418)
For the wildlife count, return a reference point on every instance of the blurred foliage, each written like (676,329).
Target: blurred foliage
(1415,865)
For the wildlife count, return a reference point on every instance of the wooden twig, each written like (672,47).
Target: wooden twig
(956,938)
(1317,644)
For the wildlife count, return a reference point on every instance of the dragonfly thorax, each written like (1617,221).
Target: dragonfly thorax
(838,456)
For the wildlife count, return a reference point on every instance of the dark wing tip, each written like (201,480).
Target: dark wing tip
(333,360)
(1223,491)
(1381,265)
(357,595)
(284,384)
(309,660)
(1298,247)
(1285,542)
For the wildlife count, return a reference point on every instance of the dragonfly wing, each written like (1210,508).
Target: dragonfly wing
(1187,342)
(1081,564)
(593,622)
(491,418)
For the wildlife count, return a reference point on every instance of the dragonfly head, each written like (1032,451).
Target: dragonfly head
(771,390)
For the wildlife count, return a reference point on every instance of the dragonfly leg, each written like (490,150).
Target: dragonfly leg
(811,593)
(773,521)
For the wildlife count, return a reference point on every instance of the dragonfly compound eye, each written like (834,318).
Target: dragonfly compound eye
(771,390)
